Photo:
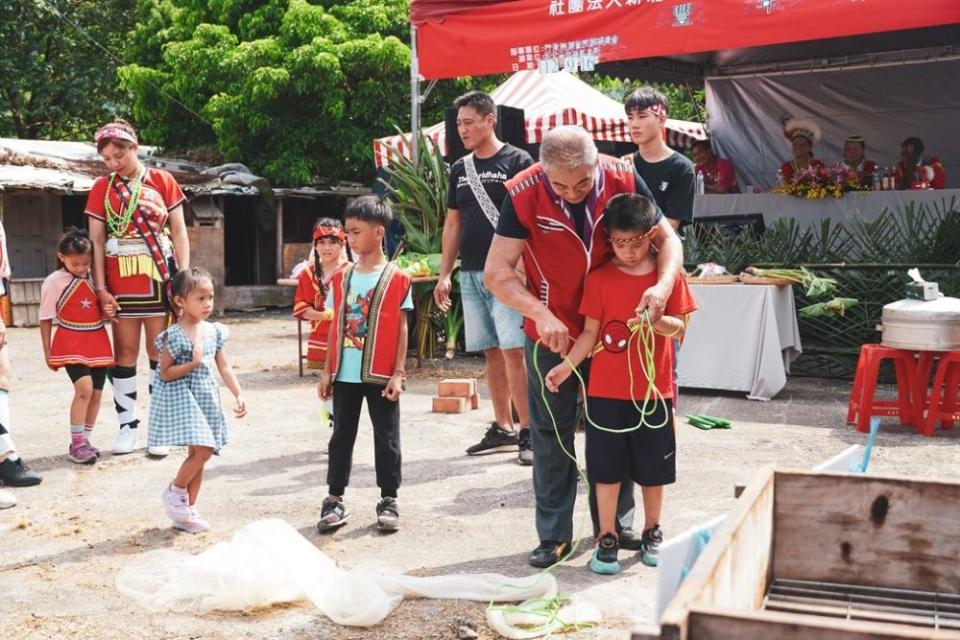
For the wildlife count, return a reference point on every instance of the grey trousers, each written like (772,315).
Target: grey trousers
(554,473)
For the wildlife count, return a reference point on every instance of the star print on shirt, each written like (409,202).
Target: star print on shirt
(86,303)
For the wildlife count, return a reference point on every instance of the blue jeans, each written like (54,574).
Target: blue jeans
(488,323)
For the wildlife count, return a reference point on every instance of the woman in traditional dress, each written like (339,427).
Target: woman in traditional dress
(802,134)
(140,240)
(855,165)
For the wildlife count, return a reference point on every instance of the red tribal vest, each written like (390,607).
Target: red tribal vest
(555,258)
(383,323)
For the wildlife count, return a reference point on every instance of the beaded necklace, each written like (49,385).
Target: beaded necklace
(118,223)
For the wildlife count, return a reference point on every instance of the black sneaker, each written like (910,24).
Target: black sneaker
(388,515)
(650,546)
(604,560)
(494,441)
(629,539)
(549,553)
(16,473)
(525,448)
(332,515)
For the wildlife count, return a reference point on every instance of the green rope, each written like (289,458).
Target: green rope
(642,336)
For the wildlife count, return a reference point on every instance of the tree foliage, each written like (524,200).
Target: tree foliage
(685,103)
(295,89)
(55,82)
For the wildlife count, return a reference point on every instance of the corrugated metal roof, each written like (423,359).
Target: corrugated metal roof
(71,168)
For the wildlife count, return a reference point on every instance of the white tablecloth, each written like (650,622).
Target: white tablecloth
(807,213)
(741,338)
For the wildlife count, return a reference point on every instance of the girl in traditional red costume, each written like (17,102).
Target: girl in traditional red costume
(802,134)
(327,258)
(139,241)
(80,344)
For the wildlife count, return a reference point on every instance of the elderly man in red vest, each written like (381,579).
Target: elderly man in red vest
(551,218)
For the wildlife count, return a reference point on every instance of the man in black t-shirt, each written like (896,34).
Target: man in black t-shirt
(474,197)
(670,175)
(671,178)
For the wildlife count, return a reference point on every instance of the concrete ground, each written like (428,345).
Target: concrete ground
(62,547)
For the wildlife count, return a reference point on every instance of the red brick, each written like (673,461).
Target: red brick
(475,401)
(449,405)
(457,387)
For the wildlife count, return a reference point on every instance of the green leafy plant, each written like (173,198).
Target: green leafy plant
(418,189)
(868,260)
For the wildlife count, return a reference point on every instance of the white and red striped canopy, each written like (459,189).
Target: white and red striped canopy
(549,101)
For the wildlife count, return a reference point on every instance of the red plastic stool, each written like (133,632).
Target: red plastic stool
(943,403)
(862,405)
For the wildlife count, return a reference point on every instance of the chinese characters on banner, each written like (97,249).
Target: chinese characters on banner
(569,7)
(572,55)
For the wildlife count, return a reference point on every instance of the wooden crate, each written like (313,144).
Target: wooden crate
(826,556)
(25,301)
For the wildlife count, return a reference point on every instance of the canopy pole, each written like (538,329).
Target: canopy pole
(414,97)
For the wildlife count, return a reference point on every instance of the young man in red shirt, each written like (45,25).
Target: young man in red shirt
(629,429)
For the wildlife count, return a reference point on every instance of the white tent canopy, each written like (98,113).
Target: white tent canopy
(549,101)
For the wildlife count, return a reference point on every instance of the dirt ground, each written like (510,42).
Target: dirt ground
(62,546)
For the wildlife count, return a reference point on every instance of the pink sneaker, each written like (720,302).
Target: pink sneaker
(92,448)
(176,504)
(195,524)
(82,453)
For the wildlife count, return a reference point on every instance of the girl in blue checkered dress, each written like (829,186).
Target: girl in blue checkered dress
(185,405)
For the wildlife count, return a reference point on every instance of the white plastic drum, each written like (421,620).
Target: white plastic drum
(922,325)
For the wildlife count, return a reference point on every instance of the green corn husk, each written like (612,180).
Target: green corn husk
(706,422)
(831,308)
(817,287)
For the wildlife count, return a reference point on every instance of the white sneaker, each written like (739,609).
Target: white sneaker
(7,500)
(126,441)
(158,452)
(195,524)
(176,505)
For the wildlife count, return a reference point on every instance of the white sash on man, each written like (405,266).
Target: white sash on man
(479,193)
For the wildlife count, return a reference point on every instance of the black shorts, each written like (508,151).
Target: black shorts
(77,371)
(647,456)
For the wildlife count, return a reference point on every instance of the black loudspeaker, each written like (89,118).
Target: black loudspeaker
(455,149)
(510,129)
(510,126)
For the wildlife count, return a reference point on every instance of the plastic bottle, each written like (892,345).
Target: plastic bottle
(701,187)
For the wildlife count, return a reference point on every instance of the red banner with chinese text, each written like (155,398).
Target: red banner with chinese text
(551,35)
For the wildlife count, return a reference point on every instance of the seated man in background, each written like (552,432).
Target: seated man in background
(914,171)
(719,174)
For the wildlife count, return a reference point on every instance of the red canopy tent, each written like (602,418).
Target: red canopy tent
(479,37)
(548,101)
(884,69)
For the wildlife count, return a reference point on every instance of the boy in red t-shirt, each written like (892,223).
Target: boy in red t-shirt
(642,445)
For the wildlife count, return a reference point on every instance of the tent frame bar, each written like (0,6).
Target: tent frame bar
(869,61)
(414,96)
